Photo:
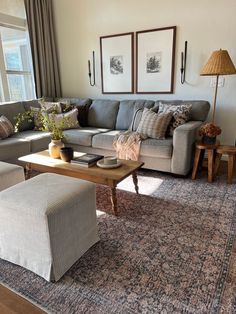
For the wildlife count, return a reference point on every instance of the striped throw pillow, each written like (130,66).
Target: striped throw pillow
(154,125)
(6,128)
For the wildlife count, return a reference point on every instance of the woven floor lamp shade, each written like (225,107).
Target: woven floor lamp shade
(219,63)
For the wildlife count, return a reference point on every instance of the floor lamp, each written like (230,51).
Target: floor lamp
(219,63)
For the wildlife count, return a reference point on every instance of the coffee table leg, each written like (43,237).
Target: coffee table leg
(28,171)
(135,180)
(114,200)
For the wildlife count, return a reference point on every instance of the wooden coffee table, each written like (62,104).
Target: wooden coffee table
(42,162)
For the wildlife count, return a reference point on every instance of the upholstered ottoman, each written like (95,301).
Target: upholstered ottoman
(10,175)
(47,223)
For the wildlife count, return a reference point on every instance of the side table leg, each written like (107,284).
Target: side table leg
(135,180)
(210,153)
(230,168)
(114,201)
(217,163)
(196,162)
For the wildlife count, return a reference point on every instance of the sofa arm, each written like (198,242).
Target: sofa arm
(184,138)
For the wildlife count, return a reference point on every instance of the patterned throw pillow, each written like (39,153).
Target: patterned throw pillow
(50,106)
(181,114)
(6,128)
(153,124)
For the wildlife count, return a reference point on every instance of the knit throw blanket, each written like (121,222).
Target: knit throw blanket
(127,145)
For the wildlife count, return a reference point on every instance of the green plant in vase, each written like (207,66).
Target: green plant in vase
(51,122)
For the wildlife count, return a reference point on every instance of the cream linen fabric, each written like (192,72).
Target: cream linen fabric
(47,223)
(10,175)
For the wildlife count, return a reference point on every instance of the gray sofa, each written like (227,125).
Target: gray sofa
(100,121)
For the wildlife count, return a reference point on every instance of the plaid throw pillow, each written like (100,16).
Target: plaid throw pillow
(153,124)
(181,114)
(6,128)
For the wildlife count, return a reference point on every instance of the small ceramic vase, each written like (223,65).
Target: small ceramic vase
(54,148)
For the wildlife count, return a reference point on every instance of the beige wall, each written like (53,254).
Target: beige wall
(207,25)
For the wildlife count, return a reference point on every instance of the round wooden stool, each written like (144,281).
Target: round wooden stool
(210,148)
(231,152)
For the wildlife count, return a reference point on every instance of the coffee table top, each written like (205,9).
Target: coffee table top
(42,162)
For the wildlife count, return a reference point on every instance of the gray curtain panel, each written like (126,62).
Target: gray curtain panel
(43,47)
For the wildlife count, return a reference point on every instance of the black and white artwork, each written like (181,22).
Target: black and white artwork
(116,65)
(153,64)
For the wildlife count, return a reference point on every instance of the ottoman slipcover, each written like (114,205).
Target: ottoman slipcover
(47,223)
(10,175)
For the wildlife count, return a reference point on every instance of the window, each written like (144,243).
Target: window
(16,75)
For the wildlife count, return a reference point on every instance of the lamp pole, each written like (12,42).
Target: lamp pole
(214,103)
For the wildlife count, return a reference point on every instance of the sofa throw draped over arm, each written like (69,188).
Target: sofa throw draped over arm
(127,145)
(43,47)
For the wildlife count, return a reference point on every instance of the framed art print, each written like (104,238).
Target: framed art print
(117,65)
(155,60)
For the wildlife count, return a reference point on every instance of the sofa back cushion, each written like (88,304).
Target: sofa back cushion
(126,111)
(103,113)
(11,110)
(199,111)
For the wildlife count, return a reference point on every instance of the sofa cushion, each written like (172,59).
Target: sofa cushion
(38,140)
(126,112)
(157,148)
(105,140)
(12,147)
(11,110)
(82,104)
(82,136)
(103,113)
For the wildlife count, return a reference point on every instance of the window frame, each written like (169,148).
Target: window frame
(15,23)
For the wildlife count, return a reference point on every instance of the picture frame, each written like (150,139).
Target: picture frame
(155,60)
(117,63)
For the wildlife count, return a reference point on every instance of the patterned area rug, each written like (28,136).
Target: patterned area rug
(170,250)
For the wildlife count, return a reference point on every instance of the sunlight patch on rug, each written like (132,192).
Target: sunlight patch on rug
(144,185)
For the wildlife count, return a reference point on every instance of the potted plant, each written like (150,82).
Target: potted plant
(209,131)
(47,122)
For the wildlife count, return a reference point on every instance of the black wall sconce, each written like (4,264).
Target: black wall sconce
(89,71)
(183,62)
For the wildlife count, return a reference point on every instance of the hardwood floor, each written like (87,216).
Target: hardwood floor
(11,303)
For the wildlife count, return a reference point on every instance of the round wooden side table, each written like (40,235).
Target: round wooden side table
(210,148)
(230,151)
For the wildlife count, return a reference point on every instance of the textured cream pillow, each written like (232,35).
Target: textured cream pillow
(71,116)
(154,125)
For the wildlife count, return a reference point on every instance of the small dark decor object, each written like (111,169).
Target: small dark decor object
(209,131)
(67,154)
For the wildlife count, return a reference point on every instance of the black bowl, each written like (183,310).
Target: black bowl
(66,153)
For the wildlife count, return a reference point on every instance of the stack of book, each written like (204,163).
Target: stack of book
(87,160)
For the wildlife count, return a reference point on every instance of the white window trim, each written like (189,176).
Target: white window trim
(12,21)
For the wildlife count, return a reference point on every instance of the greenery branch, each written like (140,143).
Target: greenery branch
(48,122)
